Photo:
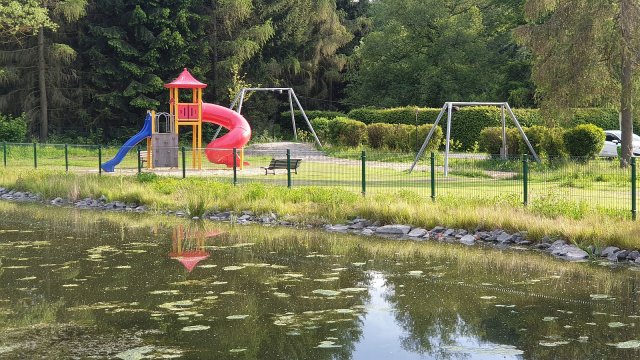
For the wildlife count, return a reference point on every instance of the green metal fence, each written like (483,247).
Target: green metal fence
(573,187)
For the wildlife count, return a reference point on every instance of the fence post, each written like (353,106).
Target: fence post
(433,176)
(525,179)
(634,208)
(66,157)
(364,173)
(184,163)
(139,163)
(99,159)
(235,166)
(289,168)
(35,155)
(4,152)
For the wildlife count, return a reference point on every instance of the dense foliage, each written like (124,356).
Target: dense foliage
(88,69)
(584,140)
(13,129)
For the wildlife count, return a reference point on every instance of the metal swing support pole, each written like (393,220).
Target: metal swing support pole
(293,116)
(426,141)
(524,136)
(446,146)
(304,115)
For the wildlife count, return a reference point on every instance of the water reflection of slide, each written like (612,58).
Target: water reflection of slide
(189,247)
(110,165)
(220,150)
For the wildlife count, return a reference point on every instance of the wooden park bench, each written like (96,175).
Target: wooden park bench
(143,156)
(281,164)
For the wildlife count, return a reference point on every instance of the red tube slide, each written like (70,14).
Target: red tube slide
(220,150)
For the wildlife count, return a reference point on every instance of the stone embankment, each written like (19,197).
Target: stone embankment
(495,238)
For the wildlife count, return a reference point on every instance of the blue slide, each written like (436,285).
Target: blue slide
(110,165)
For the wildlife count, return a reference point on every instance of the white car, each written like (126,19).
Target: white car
(610,148)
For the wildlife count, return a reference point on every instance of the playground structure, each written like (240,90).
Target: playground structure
(449,108)
(238,101)
(162,141)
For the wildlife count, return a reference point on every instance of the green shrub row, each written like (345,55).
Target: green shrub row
(469,121)
(13,129)
(348,132)
(312,114)
(585,140)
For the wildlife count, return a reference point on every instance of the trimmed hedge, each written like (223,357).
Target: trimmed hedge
(13,129)
(402,137)
(584,140)
(345,131)
(312,114)
(547,142)
(469,121)
(490,141)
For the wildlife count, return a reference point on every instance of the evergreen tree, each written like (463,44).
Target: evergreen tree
(130,49)
(35,60)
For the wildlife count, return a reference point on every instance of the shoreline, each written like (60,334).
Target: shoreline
(498,239)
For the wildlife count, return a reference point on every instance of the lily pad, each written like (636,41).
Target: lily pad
(327,345)
(616,324)
(631,344)
(237,317)
(326,292)
(354,289)
(553,343)
(195,328)
(232,268)
(176,305)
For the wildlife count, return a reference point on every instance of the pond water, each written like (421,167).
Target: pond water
(91,285)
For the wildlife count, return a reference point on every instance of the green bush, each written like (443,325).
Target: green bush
(423,131)
(377,133)
(311,114)
(536,135)
(604,118)
(490,141)
(553,144)
(349,132)
(321,127)
(405,115)
(468,122)
(13,129)
(584,140)
(402,137)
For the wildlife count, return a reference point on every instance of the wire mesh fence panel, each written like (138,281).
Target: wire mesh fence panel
(50,156)
(389,172)
(20,155)
(264,166)
(317,169)
(80,158)
(480,179)
(578,186)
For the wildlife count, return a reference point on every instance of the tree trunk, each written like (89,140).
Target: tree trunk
(626,94)
(44,121)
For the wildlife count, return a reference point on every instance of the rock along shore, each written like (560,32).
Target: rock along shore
(497,238)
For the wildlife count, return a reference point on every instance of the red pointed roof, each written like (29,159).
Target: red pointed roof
(185,81)
(190,258)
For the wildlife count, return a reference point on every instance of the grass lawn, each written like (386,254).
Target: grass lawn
(568,189)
